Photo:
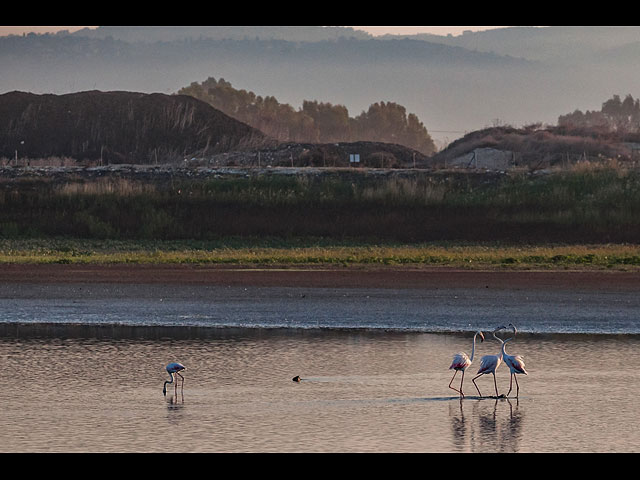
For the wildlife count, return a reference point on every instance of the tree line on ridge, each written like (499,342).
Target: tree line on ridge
(315,122)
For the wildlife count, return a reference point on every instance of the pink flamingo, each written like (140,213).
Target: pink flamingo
(489,364)
(514,362)
(173,369)
(461,362)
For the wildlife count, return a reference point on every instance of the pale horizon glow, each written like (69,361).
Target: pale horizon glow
(407,30)
(19,30)
(372,30)
(40,28)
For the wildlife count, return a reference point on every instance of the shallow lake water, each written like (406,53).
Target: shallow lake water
(78,388)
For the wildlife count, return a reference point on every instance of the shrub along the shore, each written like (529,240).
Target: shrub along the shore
(582,205)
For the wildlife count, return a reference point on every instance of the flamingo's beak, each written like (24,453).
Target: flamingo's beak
(481,337)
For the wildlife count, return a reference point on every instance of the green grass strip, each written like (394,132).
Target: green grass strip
(318,252)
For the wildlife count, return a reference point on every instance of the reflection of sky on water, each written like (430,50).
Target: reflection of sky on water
(438,310)
(363,391)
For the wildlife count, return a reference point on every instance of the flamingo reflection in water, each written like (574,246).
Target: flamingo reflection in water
(461,361)
(173,369)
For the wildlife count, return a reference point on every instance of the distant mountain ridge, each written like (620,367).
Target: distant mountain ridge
(540,43)
(185,51)
(170,34)
(515,76)
(530,43)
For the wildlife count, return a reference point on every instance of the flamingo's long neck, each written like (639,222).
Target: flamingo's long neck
(502,342)
(164,388)
(473,348)
(503,345)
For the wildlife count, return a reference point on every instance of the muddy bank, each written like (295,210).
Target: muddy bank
(336,277)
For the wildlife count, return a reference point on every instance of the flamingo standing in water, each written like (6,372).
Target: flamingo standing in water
(490,363)
(514,362)
(461,362)
(173,369)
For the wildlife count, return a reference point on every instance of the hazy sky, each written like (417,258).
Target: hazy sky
(406,30)
(375,30)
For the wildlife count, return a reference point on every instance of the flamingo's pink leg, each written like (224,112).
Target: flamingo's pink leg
(474,382)
(454,376)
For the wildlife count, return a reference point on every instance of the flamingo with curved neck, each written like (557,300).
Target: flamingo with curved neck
(514,362)
(489,364)
(173,369)
(461,362)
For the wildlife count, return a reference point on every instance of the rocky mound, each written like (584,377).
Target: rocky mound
(535,147)
(118,127)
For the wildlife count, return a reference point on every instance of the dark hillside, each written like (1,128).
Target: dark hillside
(117,127)
(535,148)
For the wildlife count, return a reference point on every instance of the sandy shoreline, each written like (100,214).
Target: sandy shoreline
(320,277)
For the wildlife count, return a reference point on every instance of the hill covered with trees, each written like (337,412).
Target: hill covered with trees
(315,122)
(617,117)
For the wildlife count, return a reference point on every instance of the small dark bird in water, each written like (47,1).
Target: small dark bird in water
(296,378)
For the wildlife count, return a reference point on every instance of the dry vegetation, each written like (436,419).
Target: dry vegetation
(587,204)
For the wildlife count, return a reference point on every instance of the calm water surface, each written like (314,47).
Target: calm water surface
(378,384)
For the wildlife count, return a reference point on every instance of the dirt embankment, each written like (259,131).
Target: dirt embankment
(116,127)
(336,277)
(102,128)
